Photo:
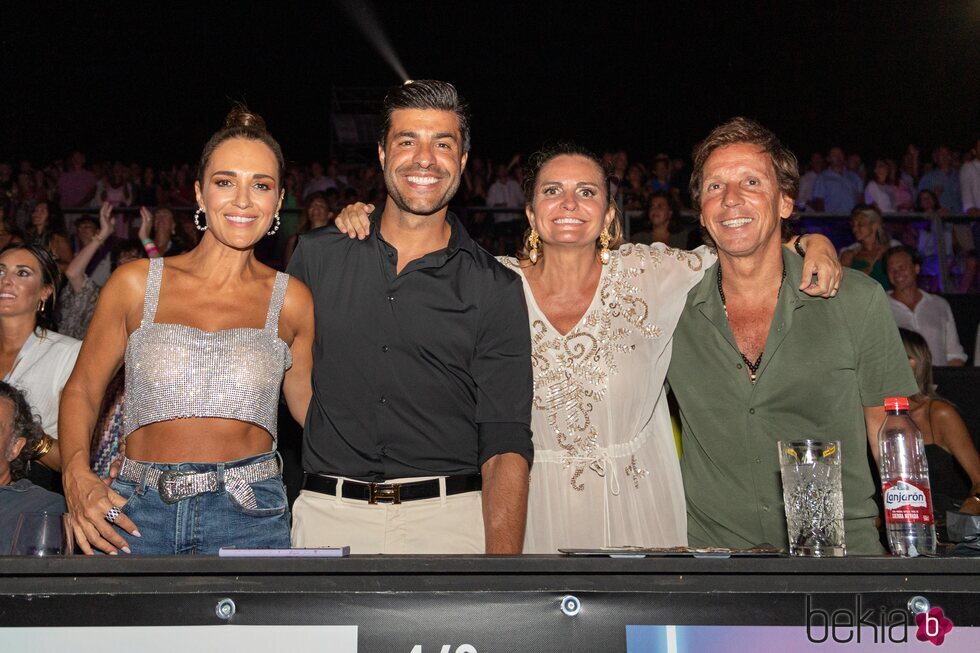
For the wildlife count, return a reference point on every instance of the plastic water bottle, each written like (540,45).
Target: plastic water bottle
(905,483)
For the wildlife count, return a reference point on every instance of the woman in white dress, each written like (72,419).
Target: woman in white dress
(606,469)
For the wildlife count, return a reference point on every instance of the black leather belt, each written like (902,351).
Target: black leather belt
(375,493)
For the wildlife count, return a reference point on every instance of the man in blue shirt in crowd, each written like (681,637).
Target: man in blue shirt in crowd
(944,181)
(837,189)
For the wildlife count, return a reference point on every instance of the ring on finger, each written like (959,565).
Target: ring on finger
(113,514)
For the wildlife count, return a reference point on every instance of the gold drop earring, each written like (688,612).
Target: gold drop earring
(604,254)
(532,246)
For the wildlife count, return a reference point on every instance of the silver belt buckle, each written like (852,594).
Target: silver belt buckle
(171,484)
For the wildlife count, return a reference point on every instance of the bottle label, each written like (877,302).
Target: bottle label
(906,503)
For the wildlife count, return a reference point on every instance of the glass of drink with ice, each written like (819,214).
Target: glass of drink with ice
(814,502)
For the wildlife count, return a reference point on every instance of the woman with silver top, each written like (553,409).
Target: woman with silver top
(208,339)
(606,470)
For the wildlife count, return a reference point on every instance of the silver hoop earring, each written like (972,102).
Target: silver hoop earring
(272,232)
(197,222)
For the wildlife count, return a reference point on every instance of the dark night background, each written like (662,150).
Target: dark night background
(150,83)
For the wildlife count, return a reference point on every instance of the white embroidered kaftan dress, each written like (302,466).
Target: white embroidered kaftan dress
(606,471)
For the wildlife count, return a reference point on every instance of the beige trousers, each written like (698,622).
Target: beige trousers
(452,524)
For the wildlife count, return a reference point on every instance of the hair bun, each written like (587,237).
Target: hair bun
(240,116)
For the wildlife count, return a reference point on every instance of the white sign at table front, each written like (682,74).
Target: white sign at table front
(186,639)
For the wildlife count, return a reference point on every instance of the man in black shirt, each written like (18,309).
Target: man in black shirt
(421,361)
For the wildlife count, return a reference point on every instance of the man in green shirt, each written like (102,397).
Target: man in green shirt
(755,360)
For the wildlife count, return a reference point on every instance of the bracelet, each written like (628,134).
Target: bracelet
(799,248)
(42,448)
(149,246)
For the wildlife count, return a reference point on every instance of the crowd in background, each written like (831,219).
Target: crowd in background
(56,204)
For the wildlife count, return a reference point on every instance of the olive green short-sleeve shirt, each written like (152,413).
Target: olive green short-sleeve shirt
(824,361)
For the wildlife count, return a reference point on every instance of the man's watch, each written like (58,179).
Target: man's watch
(799,248)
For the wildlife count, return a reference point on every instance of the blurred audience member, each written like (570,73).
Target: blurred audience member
(661,180)
(880,191)
(47,229)
(80,295)
(505,192)
(86,228)
(911,168)
(970,194)
(667,225)
(922,312)
(958,244)
(902,187)
(182,189)
(619,165)
(9,233)
(316,213)
(970,183)
(29,190)
(76,186)
(292,203)
(146,191)
(117,191)
(6,179)
(856,165)
(954,464)
(318,181)
(162,224)
(20,434)
(837,189)
(808,179)
(634,192)
(872,243)
(475,188)
(943,180)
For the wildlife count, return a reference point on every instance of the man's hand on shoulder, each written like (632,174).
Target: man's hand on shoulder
(822,272)
(354,220)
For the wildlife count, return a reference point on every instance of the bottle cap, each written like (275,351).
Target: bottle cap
(897,403)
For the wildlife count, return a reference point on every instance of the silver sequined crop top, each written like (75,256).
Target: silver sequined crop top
(174,370)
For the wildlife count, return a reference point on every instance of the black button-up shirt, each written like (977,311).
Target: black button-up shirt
(422,373)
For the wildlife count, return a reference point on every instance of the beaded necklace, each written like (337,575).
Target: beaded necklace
(753,366)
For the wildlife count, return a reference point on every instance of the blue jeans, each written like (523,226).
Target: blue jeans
(206,522)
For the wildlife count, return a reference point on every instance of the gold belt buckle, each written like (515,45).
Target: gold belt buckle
(384,492)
